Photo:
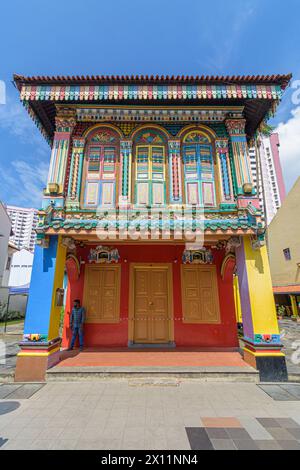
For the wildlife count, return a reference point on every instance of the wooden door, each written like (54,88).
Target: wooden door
(102,294)
(151,305)
(200,296)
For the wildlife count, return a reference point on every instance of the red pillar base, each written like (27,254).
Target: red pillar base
(35,359)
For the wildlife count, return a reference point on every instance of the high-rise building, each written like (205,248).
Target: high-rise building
(24,222)
(268,177)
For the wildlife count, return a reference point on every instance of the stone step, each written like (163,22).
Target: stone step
(154,374)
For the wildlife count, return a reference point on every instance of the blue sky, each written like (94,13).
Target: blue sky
(140,37)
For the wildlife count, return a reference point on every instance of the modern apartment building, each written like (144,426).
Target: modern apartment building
(268,177)
(24,222)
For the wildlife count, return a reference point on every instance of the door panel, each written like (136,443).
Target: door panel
(200,296)
(102,294)
(151,305)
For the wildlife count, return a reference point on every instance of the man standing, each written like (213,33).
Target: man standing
(76,323)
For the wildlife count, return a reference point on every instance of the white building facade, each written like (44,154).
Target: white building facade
(21,267)
(268,177)
(5,232)
(24,222)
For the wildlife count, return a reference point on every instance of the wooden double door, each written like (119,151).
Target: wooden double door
(151,310)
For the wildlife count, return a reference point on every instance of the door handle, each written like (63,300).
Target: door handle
(151,304)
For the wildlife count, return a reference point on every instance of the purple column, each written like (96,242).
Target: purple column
(244,292)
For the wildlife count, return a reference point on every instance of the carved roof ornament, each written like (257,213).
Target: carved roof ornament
(235,127)
(69,243)
(232,244)
(65,119)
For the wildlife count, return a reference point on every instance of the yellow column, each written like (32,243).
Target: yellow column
(237,300)
(294,306)
(263,348)
(262,302)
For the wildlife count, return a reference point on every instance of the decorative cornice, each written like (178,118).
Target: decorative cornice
(149,92)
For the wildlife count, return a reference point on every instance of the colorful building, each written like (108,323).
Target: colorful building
(284,252)
(150,208)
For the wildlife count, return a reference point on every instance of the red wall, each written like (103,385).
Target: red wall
(223,335)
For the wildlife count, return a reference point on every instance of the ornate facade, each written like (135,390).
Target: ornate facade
(150,207)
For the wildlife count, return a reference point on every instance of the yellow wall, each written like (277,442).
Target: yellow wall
(284,233)
(58,284)
(260,290)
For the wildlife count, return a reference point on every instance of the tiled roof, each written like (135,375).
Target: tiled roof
(282,80)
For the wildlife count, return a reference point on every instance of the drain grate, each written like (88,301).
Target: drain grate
(18,391)
(282,392)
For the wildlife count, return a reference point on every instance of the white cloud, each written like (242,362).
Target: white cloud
(15,120)
(23,182)
(289,135)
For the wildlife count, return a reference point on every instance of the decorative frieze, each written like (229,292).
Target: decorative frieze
(75,177)
(149,92)
(227,196)
(175,172)
(125,172)
(236,130)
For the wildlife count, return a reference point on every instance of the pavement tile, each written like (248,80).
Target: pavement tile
(17,444)
(221,423)
(7,389)
(289,445)
(245,444)
(268,422)
(3,441)
(295,432)
(287,423)
(255,429)
(268,445)
(63,444)
(239,434)
(198,439)
(217,433)
(292,389)
(223,444)
(41,444)
(276,392)
(281,434)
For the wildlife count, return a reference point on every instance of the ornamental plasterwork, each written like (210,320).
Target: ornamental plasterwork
(204,256)
(104,254)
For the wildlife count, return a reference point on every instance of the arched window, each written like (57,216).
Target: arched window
(101,169)
(199,170)
(150,168)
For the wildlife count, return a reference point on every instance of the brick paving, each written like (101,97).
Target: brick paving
(120,414)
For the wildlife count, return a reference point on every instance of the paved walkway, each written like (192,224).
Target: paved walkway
(122,414)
